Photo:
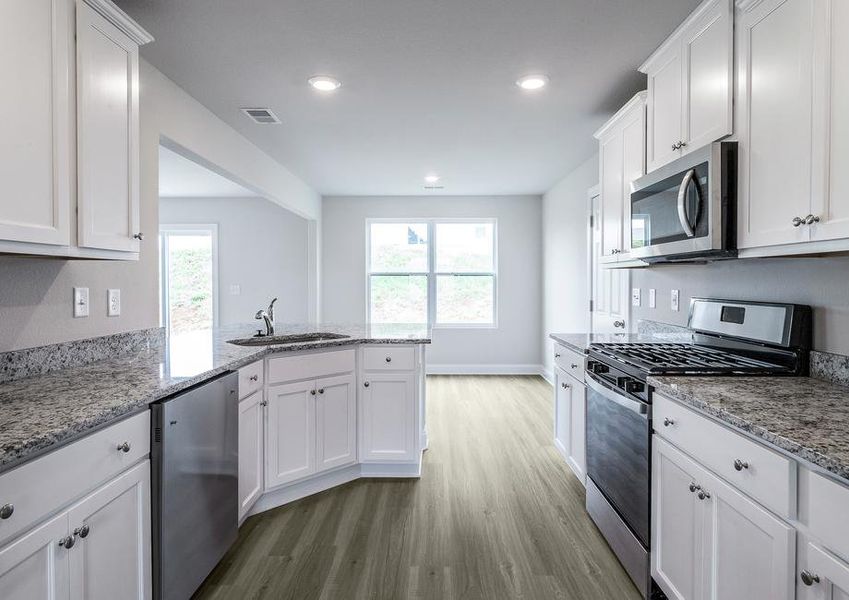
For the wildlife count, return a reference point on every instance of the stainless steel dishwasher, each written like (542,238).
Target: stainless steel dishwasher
(194,454)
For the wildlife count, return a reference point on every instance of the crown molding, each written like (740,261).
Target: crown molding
(121,20)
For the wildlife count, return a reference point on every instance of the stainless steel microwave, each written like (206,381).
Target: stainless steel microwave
(686,210)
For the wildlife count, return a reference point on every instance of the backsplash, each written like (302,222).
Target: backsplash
(18,364)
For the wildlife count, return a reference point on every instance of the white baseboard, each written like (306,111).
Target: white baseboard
(487,369)
(391,470)
(547,374)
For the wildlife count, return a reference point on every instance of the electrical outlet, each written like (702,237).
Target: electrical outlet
(635,296)
(80,302)
(674,300)
(235,289)
(652,298)
(113,303)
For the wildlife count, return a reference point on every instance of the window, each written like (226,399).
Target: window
(188,277)
(441,272)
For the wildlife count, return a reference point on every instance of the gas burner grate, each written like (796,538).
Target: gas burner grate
(683,358)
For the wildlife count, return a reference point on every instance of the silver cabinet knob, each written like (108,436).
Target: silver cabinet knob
(138,236)
(703,494)
(573,366)
(388,359)
(565,386)
(620,324)
(312,392)
(320,390)
(675,146)
(811,219)
(365,384)
(254,377)
(6,511)
(694,487)
(667,422)
(797,221)
(809,578)
(263,402)
(556,355)
(67,542)
(681,144)
(125,447)
(740,464)
(82,531)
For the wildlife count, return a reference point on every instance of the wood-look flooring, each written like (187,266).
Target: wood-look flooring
(497,514)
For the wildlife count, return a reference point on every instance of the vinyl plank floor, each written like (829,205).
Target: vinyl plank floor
(497,514)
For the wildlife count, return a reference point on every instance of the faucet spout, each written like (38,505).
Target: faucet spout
(269,323)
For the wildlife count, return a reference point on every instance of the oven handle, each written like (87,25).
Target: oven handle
(636,406)
(682,199)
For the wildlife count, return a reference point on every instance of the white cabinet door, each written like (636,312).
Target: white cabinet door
(336,422)
(387,418)
(290,433)
(562,412)
(610,308)
(822,575)
(111,557)
(610,163)
(752,554)
(107,134)
(578,438)
(707,46)
(35,107)
(633,166)
(250,451)
(665,89)
(677,523)
(35,567)
(775,98)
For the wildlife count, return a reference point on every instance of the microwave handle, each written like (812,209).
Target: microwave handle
(682,199)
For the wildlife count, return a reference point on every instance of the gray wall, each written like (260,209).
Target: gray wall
(262,247)
(515,343)
(822,282)
(564,231)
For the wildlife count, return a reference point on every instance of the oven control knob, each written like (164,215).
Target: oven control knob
(600,368)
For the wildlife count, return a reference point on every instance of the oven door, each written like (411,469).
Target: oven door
(618,457)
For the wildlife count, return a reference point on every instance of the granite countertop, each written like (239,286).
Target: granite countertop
(805,417)
(39,413)
(580,342)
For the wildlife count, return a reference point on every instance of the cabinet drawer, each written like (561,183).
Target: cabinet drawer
(570,361)
(389,358)
(250,379)
(766,476)
(310,366)
(43,486)
(829,502)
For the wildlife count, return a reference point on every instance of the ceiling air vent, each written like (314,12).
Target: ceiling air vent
(263,116)
(434,187)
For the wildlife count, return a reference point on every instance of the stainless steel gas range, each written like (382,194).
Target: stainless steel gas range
(728,338)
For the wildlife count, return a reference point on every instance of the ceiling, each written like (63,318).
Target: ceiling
(180,177)
(427,85)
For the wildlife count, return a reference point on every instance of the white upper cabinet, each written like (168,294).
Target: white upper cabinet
(107,134)
(51,122)
(621,160)
(690,85)
(36,107)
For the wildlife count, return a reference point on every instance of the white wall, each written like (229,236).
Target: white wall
(36,293)
(262,248)
(515,344)
(564,275)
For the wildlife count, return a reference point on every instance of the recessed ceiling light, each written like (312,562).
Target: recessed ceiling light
(324,84)
(532,82)
(431,178)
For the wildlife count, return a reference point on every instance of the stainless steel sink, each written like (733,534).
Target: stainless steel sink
(295,338)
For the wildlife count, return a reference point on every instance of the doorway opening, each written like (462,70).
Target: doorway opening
(188,277)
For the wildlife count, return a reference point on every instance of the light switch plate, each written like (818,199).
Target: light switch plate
(113,303)
(635,296)
(674,300)
(652,298)
(80,302)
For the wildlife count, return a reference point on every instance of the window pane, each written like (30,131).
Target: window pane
(465,299)
(464,247)
(189,282)
(398,298)
(398,247)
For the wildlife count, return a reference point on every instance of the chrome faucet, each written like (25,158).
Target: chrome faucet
(267,316)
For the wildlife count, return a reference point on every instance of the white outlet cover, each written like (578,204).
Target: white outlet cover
(113,303)
(674,300)
(80,302)
(235,289)
(635,296)
(652,298)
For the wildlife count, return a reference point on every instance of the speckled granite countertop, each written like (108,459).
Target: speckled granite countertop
(805,417)
(40,413)
(580,342)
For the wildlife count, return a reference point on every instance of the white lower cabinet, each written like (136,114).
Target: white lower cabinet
(709,540)
(822,575)
(35,567)
(388,417)
(250,451)
(570,421)
(336,422)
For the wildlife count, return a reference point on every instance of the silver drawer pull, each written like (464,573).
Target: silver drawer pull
(320,390)
(556,355)
(573,366)
(67,542)
(703,494)
(565,385)
(668,422)
(263,403)
(125,447)
(388,359)
(82,531)
(6,511)
(740,464)
(138,236)
(694,487)
(809,578)
(254,378)
(365,384)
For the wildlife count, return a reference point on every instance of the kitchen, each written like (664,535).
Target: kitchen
(406,300)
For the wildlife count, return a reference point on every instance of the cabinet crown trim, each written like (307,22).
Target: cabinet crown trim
(121,20)
(748,5)
(638,99)
(675,35)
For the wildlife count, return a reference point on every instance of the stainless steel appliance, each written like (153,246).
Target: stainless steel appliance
(194,453)
(728,338)
(686,210)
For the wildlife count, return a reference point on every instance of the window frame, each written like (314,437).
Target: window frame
(165,231)
(431,273)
